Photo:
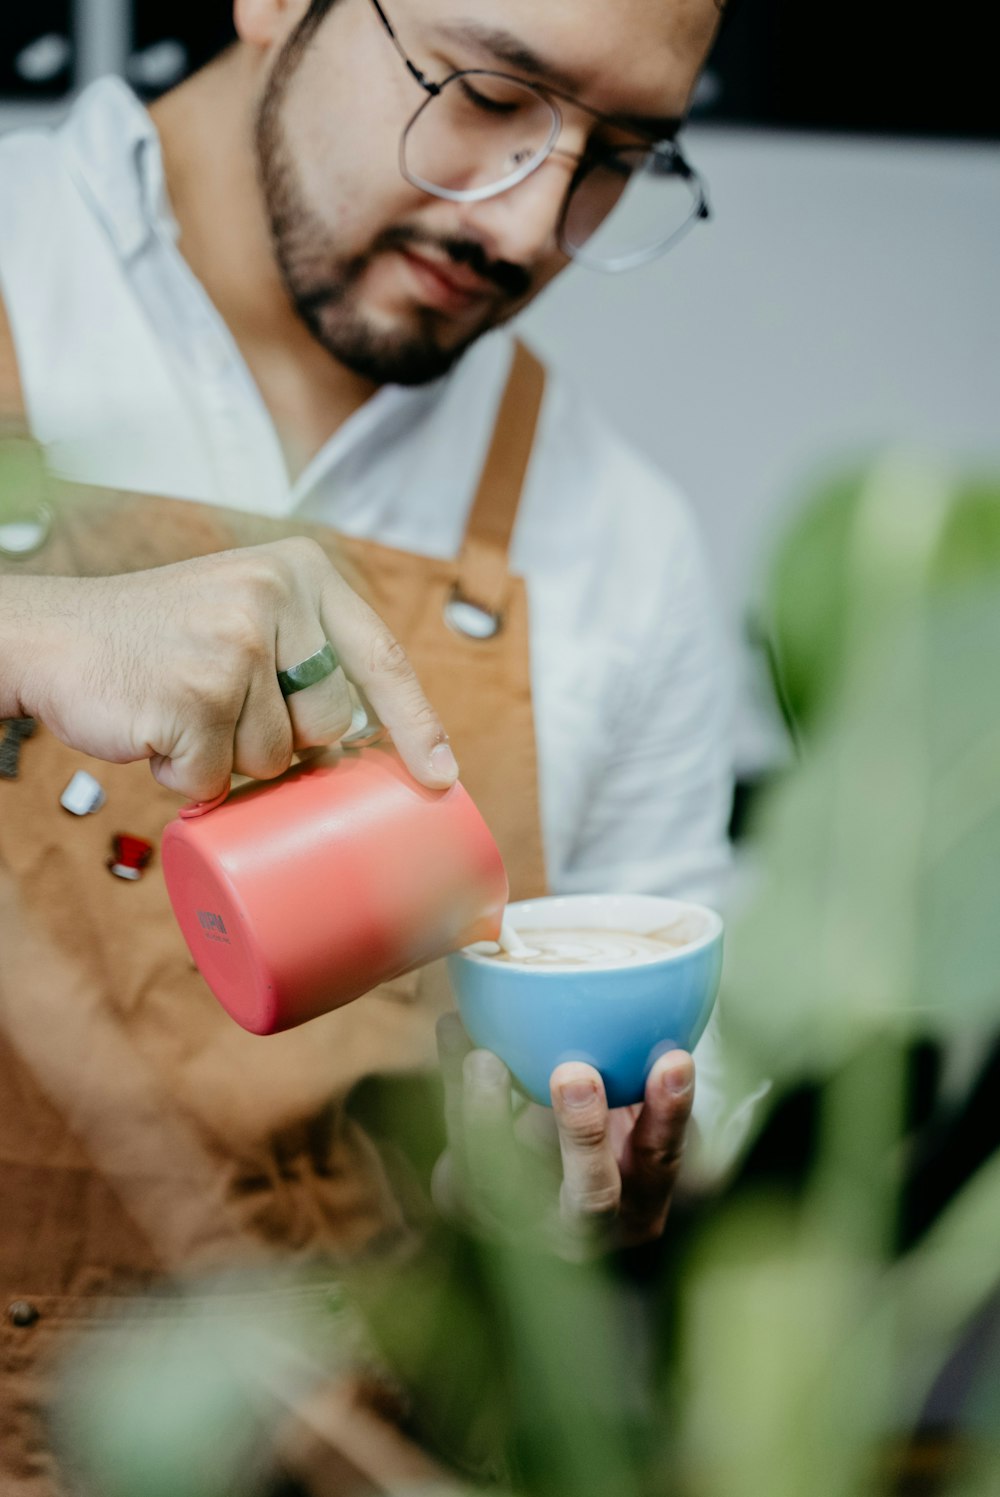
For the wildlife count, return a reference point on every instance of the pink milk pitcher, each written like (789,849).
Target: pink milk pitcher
(296,895)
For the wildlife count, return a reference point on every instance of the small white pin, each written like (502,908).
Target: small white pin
(82,795)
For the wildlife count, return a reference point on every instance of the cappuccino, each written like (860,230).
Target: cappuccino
(594,946)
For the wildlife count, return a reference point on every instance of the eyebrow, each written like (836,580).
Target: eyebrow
(505,47)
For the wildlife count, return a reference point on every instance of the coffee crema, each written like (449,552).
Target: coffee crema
(595,947)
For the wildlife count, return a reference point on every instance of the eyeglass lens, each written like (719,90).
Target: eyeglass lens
(484,132)
(625,205)
(481,131)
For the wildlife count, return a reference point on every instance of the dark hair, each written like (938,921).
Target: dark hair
(318,9)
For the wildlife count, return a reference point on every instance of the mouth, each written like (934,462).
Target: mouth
(445,285)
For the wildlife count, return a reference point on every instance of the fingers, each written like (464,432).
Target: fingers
(489,1157)
(591,1189)
(365,725)
(199,768)
(263,741)
(210,702)
(377,663)
(321,713)
(478,1177)
(453,1045)
(602,1199)
(652,1158)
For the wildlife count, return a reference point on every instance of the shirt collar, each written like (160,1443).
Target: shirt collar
(114,153)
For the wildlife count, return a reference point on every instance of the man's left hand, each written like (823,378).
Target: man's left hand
(618,1167)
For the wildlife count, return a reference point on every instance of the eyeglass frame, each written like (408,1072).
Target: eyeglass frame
(666,152)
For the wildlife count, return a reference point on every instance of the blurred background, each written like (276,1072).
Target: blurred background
(843,299)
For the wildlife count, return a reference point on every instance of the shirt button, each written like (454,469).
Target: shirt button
(21,1312)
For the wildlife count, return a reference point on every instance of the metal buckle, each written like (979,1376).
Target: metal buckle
(469,619)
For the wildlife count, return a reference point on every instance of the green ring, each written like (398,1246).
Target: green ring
(314,668)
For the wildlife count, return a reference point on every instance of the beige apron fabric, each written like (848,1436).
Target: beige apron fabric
(140,1129)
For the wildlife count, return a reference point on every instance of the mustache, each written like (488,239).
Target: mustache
(513,280)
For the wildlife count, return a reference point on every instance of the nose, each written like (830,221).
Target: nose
(519,225)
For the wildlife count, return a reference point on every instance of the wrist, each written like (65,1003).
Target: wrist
(38,627)
(21,649)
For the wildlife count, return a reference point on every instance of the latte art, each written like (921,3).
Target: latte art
(584,947)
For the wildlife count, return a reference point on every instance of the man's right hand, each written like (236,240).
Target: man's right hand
(179,665)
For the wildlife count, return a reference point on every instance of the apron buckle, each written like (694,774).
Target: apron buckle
(469,619)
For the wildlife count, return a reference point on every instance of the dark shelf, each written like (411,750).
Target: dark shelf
(855,66)
(170,41)
(36,50)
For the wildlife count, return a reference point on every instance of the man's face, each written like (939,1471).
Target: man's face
(396,283)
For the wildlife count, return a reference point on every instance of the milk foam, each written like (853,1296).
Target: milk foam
(584,947)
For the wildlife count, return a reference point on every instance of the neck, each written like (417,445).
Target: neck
(206,133)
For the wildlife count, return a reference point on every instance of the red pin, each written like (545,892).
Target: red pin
(130,855)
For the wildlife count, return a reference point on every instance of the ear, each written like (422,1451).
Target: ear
(266,23)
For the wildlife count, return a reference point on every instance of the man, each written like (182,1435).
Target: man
(270,298)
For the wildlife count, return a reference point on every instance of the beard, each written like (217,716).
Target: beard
(324,286)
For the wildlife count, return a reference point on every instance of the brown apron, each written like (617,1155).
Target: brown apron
(141,1131)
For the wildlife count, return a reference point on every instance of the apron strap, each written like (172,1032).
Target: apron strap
(483,574)
(483,567)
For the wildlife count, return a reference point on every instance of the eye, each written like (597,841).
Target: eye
(493,96)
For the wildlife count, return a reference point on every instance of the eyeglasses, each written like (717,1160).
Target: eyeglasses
(479,133)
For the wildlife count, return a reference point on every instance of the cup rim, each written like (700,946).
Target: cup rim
(713,932)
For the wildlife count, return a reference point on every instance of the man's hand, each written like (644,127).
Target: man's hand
(179,665)
(618,1168)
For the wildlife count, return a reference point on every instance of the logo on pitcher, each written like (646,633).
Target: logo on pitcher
(213,925)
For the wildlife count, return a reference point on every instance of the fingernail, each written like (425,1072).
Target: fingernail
(484,1069)
(677,1083)
(444,765)
(577,1093)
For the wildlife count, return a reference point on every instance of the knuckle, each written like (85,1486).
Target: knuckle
(303,550)
(386,657)
(658,1158)
(482,1069)
(321,732)
(423,715)
(340,722)
(273,754)
(207,697)
(299,555)
(274,765)
(596,1201)
(586,1132)
(602,1202)
(240,633)
(264,576)
(323,719)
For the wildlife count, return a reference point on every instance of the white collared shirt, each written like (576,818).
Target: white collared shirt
(133,380)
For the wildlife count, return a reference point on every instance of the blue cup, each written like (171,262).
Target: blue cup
(618,1018)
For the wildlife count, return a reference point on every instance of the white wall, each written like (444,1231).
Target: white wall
(844,298)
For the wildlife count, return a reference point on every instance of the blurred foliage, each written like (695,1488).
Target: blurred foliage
(23,477)
(787,1335)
